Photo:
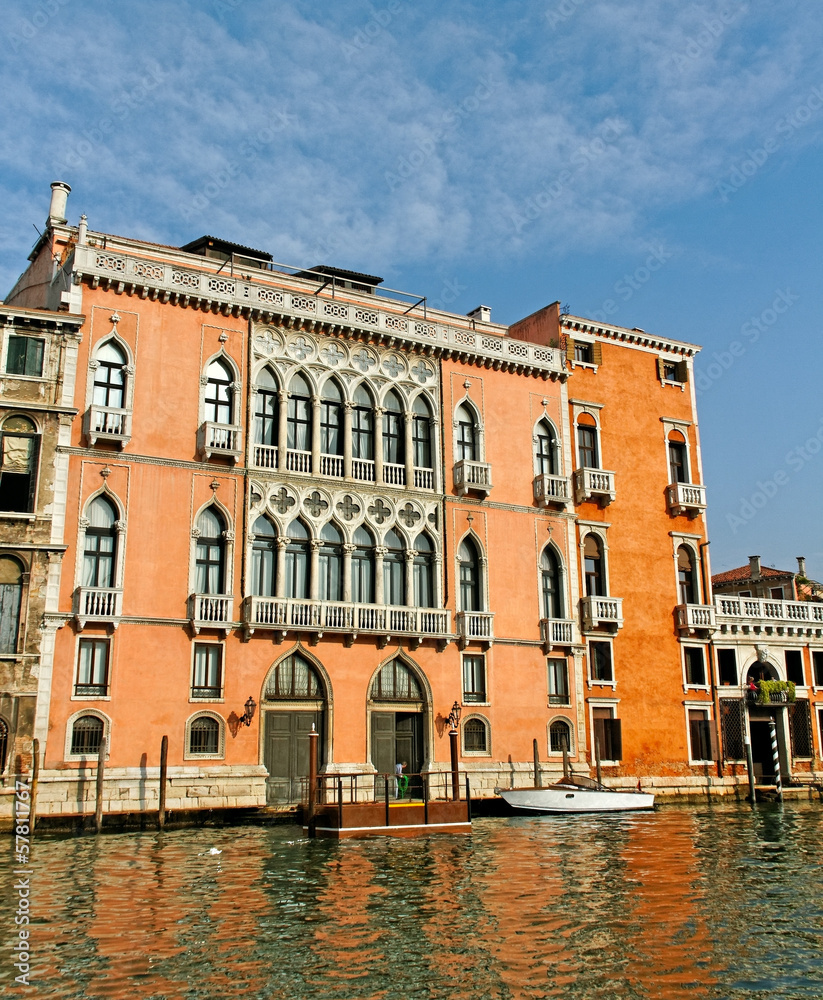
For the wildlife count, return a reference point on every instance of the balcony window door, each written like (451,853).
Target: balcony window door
(593,566)
(678,463)
(685,576)
(362,425)
(466,434)
(100,544)
(551,585)
(297,561)
(393,431)
(11,592)
(331,419)
(423,572)
(588,454)
(110,376)
(263,558)
(299,415)
(546,453)
(394,570)
(362,567)
(266,409)
(421,434)
(210,557)
(219,408)
(330,564)
(18,464)
(471,598)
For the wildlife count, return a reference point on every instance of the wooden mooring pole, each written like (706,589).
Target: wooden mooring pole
(597,759)
(164,770)
(35,777)
(314,736)
(750,770)
(101,771)
(776,759)
(536,755)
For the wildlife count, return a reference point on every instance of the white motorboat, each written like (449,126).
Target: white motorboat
(574,794)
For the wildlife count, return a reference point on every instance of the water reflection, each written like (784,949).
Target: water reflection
(714,903)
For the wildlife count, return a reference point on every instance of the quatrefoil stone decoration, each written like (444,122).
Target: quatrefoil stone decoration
(409,516)
(282,501)
(333,355)
(300,348)
(315,504)
(348,508)
(379,511)
(422,372)
(393,366)
(362,360)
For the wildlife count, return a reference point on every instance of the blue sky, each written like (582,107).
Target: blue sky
(512,154)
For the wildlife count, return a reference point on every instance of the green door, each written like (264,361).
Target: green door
(287,753)
(397,737)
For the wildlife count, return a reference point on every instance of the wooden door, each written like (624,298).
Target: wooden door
(286,753)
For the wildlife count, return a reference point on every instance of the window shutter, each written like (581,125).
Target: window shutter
(712,731)
(661,369)
(682,371)
(614,738)
(597,353)
(569,349)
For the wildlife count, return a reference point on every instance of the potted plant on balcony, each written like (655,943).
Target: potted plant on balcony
(769,692)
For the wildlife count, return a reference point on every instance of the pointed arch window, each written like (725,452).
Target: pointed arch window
(99,552)
(330,564)
(467,446)
(423,572)
(593,566)
(331,419)
(546,452)
(210,557)
(299,415)
(11,592)
(471,597)
(587,449)
(685,576)
(394,569)
(394,436)
(294,678)
(421,434)
(362,567)
(362,425)
(110,376)
(396,682)
(678,459)
(551,584)
(263,558)
(219,399)
(297,561)
(266,409)
(19,448)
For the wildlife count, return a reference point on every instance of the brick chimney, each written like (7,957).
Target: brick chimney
(754,567)
(801,565)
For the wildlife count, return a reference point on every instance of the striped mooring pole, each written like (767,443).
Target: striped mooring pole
(776,759)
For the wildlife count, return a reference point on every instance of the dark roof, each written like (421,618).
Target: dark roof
(743,574)
(339,272)
(224,246)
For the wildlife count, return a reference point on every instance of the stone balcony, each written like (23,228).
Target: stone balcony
(220,441)
(686,498)
(759,615)
(472,477)
(594,484)
(557,632)
(211,611)
(287,614)
(107,423)
(695,619)
(552,490)
(474,626)
(98,605)
(598,612)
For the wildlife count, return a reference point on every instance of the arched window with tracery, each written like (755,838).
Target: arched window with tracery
(546,450)
(330,564)
(298,561)
(294,679)
(362,435)
(263,558)
(423,572)
(266,411)
(210,554)
(394,569)
(298,423)
(100,547)
(362,567)
(471,589)
(110,376)
(395,681)
(219,398)
(551,584)
(331,427)
(394,436)
(467,446)
(421,434)
(686,583)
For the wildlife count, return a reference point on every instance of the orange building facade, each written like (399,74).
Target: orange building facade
(289,500)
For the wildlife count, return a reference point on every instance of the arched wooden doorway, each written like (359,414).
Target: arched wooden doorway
(294,699)
(397,703)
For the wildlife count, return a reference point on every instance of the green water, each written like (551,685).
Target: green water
(705,903)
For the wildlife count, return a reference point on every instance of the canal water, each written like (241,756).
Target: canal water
(709,902)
